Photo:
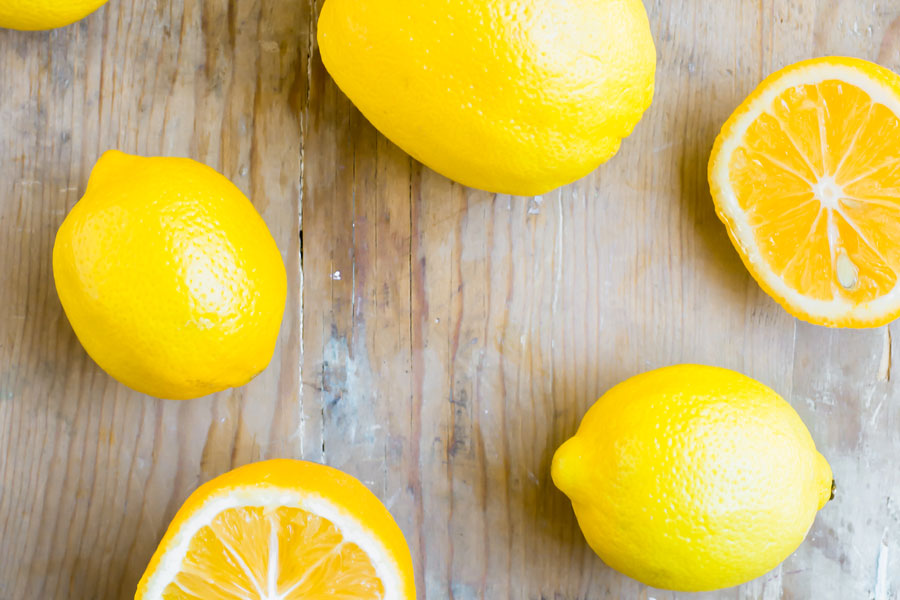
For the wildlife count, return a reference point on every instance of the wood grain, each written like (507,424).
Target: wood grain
(91,472)
(499,320)
(451,339)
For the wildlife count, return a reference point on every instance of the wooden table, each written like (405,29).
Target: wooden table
(439,342)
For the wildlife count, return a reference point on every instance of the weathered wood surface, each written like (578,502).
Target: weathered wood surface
(90,472)
(451,339)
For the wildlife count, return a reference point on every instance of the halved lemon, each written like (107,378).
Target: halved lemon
(806,177)
(281,530)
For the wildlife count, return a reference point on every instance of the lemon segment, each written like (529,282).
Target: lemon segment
(806,177)
(280,530)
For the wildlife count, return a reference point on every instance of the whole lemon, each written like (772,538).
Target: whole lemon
(511,96)
(169,277)
(693,478)
(33,15)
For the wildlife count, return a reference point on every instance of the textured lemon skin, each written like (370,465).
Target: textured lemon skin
(692,478)
(35,15)
(340,489)
(169,277)
(510,96)
(888,81)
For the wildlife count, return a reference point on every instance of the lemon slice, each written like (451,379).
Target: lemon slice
(806,177)
(281,530)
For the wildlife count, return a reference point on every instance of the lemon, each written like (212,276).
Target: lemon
(693,478)
(33,15)
(285,529)
(511,96)
(169,277)
(806,177)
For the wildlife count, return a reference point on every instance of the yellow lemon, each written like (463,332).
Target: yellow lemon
(33,15)
(806,177)
(281,529)
(511,96)
(169,277)
(693,478)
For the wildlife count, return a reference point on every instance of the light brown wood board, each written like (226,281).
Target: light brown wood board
(449,339)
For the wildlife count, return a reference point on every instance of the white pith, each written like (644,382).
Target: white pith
(826,190)
(351,529)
